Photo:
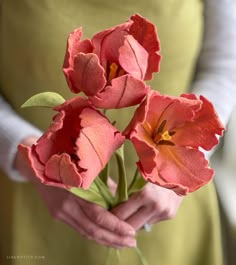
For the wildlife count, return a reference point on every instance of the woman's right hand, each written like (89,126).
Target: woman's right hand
(90,220)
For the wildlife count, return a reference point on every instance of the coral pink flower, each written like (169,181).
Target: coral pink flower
(75,148)
(167,133)
(111,67)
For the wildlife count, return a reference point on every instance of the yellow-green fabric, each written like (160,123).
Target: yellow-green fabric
(33,41)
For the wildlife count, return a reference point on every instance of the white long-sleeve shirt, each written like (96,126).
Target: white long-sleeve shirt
(215,79)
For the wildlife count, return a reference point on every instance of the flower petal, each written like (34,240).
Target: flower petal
(97,142)
(202,131)
(145,33)
(124,91)
(74,47)
(73,105)
(61,172)
(88,75)
(156,108)
(133,58)
(183,169)
(145,148)
(30,156)
(107,43)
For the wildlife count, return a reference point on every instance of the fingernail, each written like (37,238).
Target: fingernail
(131,233)
(131,243)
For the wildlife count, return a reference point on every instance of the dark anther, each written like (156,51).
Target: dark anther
(161,127)
(165,142)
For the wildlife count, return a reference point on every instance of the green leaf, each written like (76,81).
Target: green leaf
(92,195)
(138,182)
(45,99)
(121,194)
(138,185)
(104,174)
(105,192)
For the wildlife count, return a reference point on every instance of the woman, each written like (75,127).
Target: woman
(32,49)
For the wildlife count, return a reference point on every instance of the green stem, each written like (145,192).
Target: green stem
(134,179)
(105,192)
(104,174)
(122,187)
(143,261)
(138,182)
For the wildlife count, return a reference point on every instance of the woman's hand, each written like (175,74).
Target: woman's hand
(89,219)
(151,205)
(115,228)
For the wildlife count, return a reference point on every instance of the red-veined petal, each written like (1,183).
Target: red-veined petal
(180,167)
(124,91)
(146,34)
(61,171)
(133,58)
(88,75)
(97,142)
(203,130)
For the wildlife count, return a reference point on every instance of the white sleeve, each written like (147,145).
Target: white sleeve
(216,71)
(13,129)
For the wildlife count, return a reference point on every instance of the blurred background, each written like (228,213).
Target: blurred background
(224,162)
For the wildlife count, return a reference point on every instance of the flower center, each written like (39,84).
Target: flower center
(162,137)
(115,71)
(166,136)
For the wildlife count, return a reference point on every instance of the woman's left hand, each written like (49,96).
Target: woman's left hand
(151,205)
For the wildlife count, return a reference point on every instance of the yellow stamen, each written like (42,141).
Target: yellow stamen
(113,71)
(166,136)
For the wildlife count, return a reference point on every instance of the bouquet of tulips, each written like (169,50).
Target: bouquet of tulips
(168,133)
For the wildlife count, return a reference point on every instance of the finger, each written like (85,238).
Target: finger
(72,222)
(89,228)
(165,215)
(95,231)
(140,217)
(124,210)
(106,219)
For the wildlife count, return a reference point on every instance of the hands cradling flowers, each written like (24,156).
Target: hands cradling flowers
(116,228)
(167,133)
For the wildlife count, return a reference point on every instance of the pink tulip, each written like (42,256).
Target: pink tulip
(111,67)
(167,133)
(75,148)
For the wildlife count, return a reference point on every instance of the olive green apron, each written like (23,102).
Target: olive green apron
(33,41)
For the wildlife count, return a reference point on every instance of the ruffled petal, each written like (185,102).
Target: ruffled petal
(175,110)
(145,148)
(30,156)
(203,130)
(88,75)
(145,33)
(97,142)
(107,43)
(61,171)
(185,169)
(57,138)
(133,58)
(73,105)
(124,91)
(74,47)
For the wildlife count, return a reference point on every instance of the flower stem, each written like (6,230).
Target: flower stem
(105,192)
(122,188)
(143,261)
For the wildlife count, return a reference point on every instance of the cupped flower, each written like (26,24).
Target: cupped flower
(167,133)
(76,147)
(111,67)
